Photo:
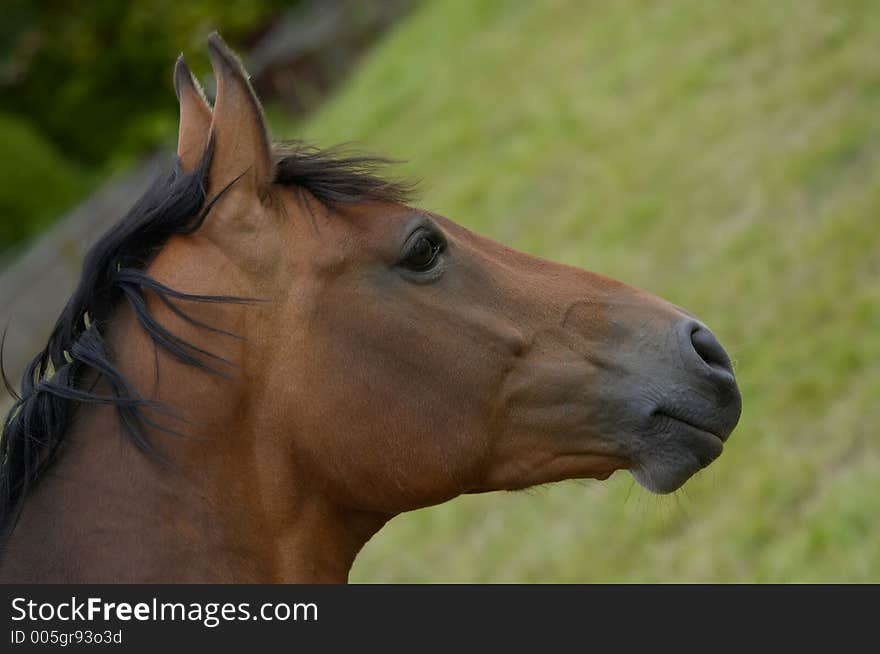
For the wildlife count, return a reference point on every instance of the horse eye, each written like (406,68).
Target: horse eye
(422,254)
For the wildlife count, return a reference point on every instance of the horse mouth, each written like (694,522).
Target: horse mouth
(671,418)
(679,447)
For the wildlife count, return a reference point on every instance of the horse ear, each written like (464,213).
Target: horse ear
(242,149)
(195,117)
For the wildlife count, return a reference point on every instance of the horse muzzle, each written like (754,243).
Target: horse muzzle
(693,405)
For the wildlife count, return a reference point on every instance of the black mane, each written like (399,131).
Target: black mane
(65,373)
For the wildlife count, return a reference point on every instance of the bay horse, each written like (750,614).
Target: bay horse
(272,354)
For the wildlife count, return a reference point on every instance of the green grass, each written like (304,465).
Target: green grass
(725,156)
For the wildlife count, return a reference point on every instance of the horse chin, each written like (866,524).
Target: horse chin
(666,466)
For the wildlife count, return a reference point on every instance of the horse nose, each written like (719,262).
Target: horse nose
(701,349)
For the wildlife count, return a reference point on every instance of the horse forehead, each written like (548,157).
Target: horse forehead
(376,217)
(354,224)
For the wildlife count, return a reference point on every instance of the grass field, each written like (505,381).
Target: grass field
(723,155)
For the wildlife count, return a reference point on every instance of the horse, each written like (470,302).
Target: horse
(273,353)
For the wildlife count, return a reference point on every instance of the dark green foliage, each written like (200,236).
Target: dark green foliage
(38,182)
(89,85)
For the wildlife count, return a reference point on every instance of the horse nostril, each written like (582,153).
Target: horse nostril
(709,349)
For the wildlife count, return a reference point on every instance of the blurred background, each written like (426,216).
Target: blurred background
(725,156)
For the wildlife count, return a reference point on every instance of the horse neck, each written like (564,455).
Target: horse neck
(227,507)
(106,513)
